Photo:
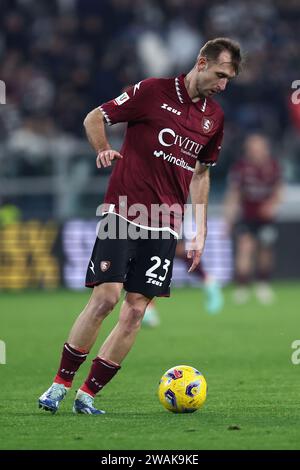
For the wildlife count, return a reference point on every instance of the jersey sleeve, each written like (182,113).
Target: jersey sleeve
(132,105)
(209,154)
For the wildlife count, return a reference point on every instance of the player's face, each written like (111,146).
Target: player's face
(213,77)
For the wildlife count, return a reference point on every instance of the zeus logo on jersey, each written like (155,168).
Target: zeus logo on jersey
(136,87)
(169,108)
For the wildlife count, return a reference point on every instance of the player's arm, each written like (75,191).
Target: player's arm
(131,106)
(95,131)
(199,190)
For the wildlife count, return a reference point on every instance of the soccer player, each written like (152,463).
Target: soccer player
(173,136)
(252,202)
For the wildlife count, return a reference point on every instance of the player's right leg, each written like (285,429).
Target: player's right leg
(81,338)
(86,328)
(112,353)
(105,274)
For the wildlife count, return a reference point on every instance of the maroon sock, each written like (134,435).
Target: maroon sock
(102,371)
(71,360)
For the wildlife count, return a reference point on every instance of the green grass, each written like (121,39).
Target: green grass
(244,353)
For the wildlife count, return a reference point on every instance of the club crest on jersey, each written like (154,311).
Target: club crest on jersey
(207,124)
(104,266)
(121,99)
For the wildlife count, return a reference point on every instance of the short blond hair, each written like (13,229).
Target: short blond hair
(213,48)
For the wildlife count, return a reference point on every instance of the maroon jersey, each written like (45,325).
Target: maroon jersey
(256,185)
(166,135)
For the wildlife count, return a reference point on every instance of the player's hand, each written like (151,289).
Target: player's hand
(195,252)
(196,255)
(105,157)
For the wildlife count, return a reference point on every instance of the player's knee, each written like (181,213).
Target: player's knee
(103,304)
(132,319)
(136,314)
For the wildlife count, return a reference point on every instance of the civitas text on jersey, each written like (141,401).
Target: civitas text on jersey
(168,137)
(169,108)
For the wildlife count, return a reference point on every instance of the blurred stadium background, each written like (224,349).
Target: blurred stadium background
(62,58)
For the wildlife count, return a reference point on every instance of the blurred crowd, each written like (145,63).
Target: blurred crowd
(62,58)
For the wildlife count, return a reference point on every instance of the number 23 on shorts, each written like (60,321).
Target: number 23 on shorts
(153,277)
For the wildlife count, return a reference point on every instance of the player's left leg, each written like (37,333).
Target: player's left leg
(151,317)
(214,299)
(112,353)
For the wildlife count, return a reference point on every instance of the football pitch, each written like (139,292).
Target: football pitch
(245,354)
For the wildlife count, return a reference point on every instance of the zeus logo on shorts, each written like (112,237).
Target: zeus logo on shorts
(92,267)
(153,281)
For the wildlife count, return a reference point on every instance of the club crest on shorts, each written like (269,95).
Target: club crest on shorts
(207,124)
(104,266)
